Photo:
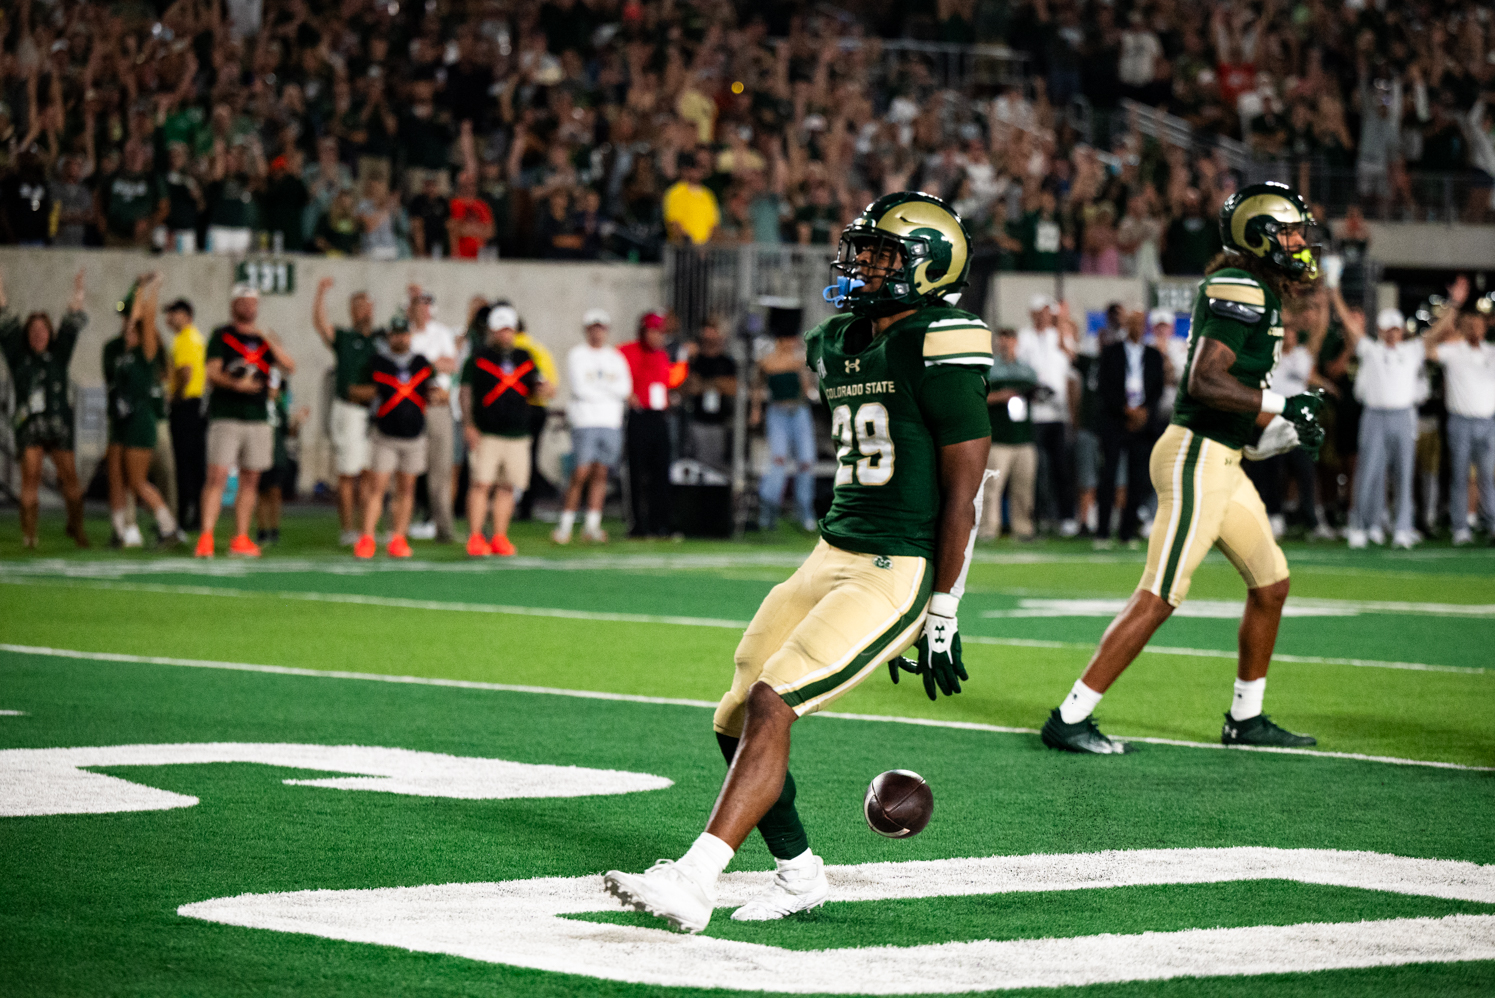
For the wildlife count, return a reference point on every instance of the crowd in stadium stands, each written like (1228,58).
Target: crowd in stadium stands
(585,129)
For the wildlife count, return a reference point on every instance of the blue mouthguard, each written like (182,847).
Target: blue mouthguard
(837,293)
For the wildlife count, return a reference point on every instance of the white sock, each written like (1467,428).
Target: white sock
(594,520)
(165,522)
(707,857)
(804,860)
(568,520)
(1246,703)
(117,519)
(1079,704)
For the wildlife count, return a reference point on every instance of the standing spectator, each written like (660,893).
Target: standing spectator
(1048,347)
(189,427)
(324,179)
(352,347)
(438,344)
(497,381)
(1010,385)
(1130,382)
(283,205)
(280,479)
(133,201)
(185,199)
(539,412)
(38,359)
(470,226)
(781,404)
(130,368)
(1390,385)
(396,382)
(711,388)
(240,356)
(74,200)
(237,176)
(378,213)
(600,385)
(337,232)
(1469,391)
(429,214)
(425,132)
(647,433)
(1293,375)
(26,203)
(691,214)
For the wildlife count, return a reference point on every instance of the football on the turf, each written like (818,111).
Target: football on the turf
(898,804)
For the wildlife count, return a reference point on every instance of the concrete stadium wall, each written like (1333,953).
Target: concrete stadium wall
(551,296)
(1432,245)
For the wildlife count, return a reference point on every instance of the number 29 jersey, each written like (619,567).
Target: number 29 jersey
(895,399)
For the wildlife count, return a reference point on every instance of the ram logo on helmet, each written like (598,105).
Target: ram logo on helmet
(1254,219)
(905,250)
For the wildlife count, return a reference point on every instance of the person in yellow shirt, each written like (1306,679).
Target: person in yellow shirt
(691,214)
(538,412)
(189,425)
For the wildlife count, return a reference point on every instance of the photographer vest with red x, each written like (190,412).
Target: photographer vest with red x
(501,382)
(402,388)
(241,353)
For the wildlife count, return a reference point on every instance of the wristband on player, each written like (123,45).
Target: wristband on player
(944,605)
(1272,402)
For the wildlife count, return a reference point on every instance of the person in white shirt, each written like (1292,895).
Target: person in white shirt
(1390,384)
(1048,346)
(1294,376)
(600,383)
(438,344)
(1469,393)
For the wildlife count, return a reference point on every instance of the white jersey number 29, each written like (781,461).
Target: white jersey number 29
(868,432)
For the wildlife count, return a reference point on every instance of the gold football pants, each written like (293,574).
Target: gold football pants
(1204,500)
(824,629)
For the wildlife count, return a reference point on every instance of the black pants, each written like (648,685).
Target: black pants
(189,446)
(648,444)
(1138,447)
(526,509)
(1056,472)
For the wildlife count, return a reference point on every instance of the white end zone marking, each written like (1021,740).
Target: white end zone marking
(12,713)
(51,781)
(515,923)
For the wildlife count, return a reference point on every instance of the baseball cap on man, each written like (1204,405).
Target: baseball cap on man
(243,290)
(1039,302)
(596,317)
(1390,318)
(502,317)
(1158,315)
(652,320)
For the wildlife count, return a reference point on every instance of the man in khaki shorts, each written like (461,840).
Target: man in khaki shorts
(241,361)
(397,383)
(352,347)
(497,383)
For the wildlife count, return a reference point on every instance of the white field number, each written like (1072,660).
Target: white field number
(519,923)
(868,432)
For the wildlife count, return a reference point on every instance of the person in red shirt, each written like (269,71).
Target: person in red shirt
(647,434)
(471,225)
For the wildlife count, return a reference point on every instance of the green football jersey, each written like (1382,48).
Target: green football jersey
(40,379)
(894,400)
(1245,315)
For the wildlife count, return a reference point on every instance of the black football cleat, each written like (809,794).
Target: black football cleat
(1260,730)
(1082,736)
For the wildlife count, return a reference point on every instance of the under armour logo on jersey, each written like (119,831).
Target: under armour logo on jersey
(853,366)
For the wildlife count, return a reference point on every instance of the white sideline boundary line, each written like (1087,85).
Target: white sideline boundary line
(286,670)
(644,618)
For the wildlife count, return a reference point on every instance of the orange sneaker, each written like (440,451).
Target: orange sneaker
(502,547)
(399,547)
(204,546)
(244,547)
(477,546)
(364,546)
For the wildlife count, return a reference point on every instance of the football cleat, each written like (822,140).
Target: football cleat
(399,547)
(665,891)
(502,546)
(477,546)
(597,536)
(364,547)
(243,547)
(204,546)
(793,890)
(1081,736)
(1260,730)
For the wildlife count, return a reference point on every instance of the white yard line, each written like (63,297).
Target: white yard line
(644,618)
(283,670)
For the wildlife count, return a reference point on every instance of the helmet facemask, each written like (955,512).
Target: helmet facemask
(871,273)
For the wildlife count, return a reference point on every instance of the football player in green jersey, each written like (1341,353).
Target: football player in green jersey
(1224,411)
(904,375)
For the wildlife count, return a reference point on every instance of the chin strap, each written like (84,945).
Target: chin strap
(837,293)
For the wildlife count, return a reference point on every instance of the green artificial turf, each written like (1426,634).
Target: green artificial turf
(91,899)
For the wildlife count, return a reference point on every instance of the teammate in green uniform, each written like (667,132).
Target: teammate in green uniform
(1224,411)
(38,359)
(132,373)
(904,375)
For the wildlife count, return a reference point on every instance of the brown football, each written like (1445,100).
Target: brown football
(898,804)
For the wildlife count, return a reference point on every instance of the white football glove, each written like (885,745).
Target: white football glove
(1279,437)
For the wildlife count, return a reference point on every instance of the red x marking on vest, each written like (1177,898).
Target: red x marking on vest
(403,390)
(255,357)
(505,381)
